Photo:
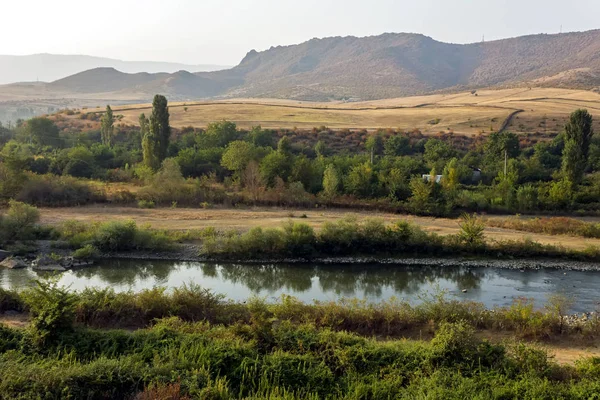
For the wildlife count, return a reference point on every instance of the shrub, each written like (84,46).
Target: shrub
(114,236)
(86,252)
(472,231)
(52,310)
(53,191)
(145,204)
(19,223)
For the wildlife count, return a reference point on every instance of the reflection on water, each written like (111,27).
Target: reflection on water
(491,286)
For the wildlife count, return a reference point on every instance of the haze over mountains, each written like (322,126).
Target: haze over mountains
(50,67)
(349,68)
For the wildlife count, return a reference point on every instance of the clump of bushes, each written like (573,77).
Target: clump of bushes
(372,237)
(19,223)
(113,236)
(58,191)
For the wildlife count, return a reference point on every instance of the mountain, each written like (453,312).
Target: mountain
(50,67)
(375,67)
(393,65)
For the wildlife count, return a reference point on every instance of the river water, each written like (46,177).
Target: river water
(491,286)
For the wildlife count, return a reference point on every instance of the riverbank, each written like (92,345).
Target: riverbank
(244,219)
(192,253)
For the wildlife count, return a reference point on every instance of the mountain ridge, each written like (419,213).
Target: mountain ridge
(365,68)
(47,67)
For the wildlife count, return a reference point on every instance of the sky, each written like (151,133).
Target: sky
(223,31)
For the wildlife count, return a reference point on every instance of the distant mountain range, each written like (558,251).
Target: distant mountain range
(50,67)
(384,66)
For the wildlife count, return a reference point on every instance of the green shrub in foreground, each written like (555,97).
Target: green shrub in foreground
(177,360)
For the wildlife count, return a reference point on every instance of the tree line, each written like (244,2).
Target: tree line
(427,176)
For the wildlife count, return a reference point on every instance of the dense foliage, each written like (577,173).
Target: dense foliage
(221,164)
(206,347)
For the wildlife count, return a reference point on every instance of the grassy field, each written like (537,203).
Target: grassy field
(540,110)
(245,219)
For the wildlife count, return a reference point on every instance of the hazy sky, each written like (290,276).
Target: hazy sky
(222,31)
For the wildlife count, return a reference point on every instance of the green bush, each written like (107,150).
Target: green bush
(52,310)
(472,231)
(19,223)
(86,252)
(114,236)
(146,204)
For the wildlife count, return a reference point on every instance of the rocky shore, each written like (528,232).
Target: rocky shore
(49,258)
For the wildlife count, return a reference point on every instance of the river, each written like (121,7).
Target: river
(490,286)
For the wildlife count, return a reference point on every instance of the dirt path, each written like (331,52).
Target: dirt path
(244,219)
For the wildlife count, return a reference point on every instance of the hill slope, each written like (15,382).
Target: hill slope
(394,65)
(377,67)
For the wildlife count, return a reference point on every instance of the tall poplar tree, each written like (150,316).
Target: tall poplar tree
(578,135)
(107,126)
(149,144)
(159,126)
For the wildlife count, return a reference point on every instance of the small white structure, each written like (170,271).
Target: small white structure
(427,178)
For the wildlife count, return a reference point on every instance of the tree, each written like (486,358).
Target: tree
(284,146)
(40,131)
(396,145)
(252,180)
(107,126)
(321,149)
(361,180)
(159,127)
(499,148)
(306,172)
(260,137)
(149,145)
(275,164)
(375,145)
(437,153)
(421,191)
(507,183)
(450,176)
(395,183)
(237,156)
(219,134)
(331,181)
(578,135)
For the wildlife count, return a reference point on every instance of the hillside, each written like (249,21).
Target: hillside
(51,67)
(338,68)
(540,110)
(395,65)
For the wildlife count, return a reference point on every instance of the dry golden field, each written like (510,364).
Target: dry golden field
(539,110)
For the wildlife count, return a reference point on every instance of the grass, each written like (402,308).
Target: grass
(461,112)
(203,346)
(549,225)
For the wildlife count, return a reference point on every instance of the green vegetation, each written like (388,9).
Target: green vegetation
(20,223)
(348,237)
(107,127)
(549,226)
(112,236)
(202,346)
(503,172)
